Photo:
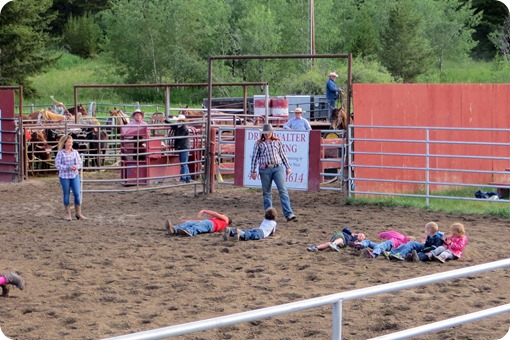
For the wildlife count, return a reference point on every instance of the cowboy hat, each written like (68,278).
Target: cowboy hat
(181,117)
(137,111)
(333,74)
(267,129)
(299,110)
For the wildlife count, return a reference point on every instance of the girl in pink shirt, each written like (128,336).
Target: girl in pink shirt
(453,244)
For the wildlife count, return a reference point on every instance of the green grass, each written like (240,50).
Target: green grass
(70,70)
(496,72)
(484,207)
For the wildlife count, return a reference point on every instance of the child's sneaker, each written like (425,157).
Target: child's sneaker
(368,253)
(396,256)
(183,232)
(312,248)
(414,256)
(387,255)
(333,246)
(439,258)
(226,233)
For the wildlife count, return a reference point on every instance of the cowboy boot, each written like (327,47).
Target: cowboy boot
(67,215)
(78,213)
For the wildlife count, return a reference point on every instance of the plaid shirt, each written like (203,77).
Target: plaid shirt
(268,153)
(65,160)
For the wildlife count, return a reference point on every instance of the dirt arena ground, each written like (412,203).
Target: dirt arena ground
(119,272)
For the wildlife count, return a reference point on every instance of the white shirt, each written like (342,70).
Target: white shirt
(268,226)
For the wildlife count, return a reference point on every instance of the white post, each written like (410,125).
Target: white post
(337,321)
(167,102)
(267,104)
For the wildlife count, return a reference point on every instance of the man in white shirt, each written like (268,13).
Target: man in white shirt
(297,122)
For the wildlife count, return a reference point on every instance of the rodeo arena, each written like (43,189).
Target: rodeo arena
(384,140)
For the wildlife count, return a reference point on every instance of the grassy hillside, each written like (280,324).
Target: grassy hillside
(70,70)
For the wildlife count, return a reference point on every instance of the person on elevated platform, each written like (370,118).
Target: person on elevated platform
(297,122)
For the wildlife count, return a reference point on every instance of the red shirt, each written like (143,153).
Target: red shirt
(218,224)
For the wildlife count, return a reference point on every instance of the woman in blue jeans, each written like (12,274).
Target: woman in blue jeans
(273,166)
(68,162)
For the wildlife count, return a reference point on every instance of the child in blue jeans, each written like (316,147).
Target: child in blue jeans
(393,239)
(415,251)
(216,223)
(266,228)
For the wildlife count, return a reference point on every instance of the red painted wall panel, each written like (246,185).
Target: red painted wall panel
(433,105)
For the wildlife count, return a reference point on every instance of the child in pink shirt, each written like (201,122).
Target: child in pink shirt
(453,244)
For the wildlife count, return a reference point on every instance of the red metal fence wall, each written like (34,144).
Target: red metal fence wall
(7,137)
(435,105)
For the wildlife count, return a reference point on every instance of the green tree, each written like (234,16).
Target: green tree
(23,42)
(82,36)
(405,53)
(161,40)
(501,39)
(493,15)
(449,28)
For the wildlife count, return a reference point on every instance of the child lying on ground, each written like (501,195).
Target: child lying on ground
(266,228)
(393,239)
(415,251)
(216,223)
(340,239)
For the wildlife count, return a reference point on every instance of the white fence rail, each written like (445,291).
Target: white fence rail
(335,300)
(461,160)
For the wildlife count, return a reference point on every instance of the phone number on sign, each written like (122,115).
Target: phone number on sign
(295,178)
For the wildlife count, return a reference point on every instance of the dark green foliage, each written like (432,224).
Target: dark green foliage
(82,35)
(64,9)
(23,41)
(493,16)
(405,53)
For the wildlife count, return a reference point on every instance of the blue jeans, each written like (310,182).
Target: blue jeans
(68,185)
(278,174)
(252,234)
(377,248)
(331,106)
(196,227)
(407,248)
(183,158)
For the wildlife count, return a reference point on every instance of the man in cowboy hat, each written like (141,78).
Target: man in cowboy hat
(332,93)
(181,144)
(297,122)
(137,116)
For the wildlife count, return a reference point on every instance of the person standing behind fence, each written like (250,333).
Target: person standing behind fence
(332,93)
(269,155)
(182,145)
(68,163)
(297,122)
(137,120)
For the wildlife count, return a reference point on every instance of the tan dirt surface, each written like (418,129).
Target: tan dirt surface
(119,272)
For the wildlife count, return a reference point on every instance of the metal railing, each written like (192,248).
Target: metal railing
(402,163)
(336,300)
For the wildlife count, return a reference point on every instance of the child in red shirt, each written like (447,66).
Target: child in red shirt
(216,223)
